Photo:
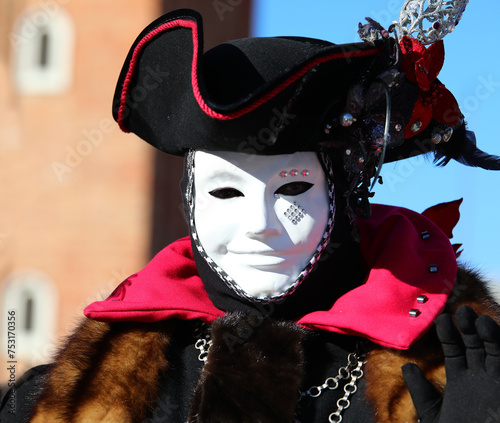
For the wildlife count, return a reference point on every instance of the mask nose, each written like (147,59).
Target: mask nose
(261,219)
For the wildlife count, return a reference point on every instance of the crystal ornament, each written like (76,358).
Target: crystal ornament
(347,119)
(295,213)
(430,20)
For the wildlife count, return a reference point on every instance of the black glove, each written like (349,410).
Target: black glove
(472,363)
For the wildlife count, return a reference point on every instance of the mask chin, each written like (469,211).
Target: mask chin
(262,285)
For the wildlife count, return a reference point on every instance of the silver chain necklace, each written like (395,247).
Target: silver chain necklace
(352,370)
(203,345)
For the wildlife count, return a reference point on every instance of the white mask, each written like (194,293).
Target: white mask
(243,221)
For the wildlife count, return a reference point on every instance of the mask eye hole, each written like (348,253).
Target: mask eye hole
(226,193)
(294,188)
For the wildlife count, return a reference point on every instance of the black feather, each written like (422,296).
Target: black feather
(462,148)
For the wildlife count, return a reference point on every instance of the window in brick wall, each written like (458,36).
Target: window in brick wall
(43,44)
(32,299)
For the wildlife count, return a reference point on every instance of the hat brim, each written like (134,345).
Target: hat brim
(176,98)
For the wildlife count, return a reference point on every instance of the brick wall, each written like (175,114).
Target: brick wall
(82,203)
(76,197)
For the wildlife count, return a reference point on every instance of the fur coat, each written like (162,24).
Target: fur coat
(110,372)
(118,366)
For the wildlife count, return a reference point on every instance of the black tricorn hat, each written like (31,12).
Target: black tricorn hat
(238,96)
(367,102)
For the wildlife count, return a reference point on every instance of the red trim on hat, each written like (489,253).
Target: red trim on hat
(194,73)
(282,86)
(135,55)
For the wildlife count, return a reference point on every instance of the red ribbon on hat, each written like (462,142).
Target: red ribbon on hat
(434,101)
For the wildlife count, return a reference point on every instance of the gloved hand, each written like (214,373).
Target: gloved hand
(472,363)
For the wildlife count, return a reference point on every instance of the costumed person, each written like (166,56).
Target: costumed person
(293,299)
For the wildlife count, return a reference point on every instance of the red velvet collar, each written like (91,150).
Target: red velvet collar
(412,272)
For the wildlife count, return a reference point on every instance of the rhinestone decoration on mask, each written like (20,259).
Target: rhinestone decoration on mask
(295,213)
(228,280)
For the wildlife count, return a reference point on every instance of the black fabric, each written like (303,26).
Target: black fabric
(240,70)
(17,403)
(472,363)
(180,380)
(324,354)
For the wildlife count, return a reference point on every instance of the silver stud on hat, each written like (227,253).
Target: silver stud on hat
(436,138)
(447,135)
(416,126)
(347,119)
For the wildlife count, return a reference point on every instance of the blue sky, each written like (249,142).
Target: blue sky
(471,72)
